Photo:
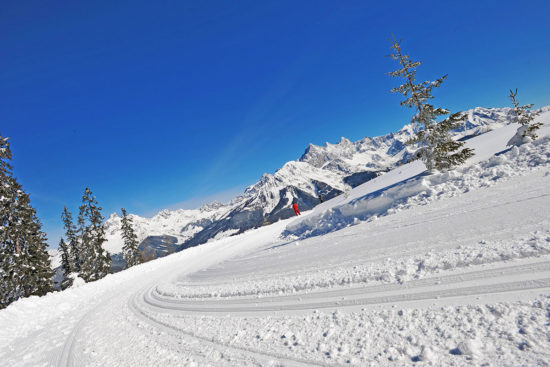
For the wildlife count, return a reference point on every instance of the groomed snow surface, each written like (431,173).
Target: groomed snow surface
(407,269)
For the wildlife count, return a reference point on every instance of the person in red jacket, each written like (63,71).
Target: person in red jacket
(295,207)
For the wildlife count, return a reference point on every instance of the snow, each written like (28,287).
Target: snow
(443,269)
(55,258)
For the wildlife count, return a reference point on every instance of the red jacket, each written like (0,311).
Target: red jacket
(295,206)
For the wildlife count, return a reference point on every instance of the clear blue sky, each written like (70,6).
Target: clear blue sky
(172,103)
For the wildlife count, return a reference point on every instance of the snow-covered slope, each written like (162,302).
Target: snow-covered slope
(453,270)
(331,169)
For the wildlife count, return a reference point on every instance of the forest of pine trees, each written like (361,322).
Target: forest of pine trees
(25,267)
(437,149)
(83,254)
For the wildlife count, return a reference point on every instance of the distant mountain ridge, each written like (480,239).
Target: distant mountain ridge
(330,169)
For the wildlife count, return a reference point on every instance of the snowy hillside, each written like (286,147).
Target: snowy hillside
(408,268)
(330,169)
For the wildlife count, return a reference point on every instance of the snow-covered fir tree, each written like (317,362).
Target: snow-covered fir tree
(73,245)
(522,115)
(38,279)
(95,261)
(25,267)
(66,265)
(437,149)
(130,250)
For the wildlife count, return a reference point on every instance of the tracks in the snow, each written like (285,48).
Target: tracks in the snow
(508,278)
(68,355)
(155,310)
(201,345)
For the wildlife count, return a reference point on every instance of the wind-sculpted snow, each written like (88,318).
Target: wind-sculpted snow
(423,189)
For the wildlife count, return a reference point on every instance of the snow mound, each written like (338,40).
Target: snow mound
(423,189)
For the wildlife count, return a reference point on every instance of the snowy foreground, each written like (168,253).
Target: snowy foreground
(409,268)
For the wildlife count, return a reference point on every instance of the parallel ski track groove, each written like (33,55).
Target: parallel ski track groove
(67,356)
(239,305)
(250,352)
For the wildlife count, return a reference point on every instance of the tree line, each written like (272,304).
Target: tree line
(82,253)
(25,267)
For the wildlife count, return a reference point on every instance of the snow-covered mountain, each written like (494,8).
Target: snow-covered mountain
(330,169)
(162,234)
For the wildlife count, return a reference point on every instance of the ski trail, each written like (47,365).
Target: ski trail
(510,278)
(243,354)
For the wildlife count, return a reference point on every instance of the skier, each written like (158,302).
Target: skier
(320,197)
(295,207)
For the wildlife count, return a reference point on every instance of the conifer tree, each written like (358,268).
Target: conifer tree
(95,261)
(37,270)
(130,250)
(65,256)
(25,267)
(524,117)
(7,247)
(73,246)
(437,149)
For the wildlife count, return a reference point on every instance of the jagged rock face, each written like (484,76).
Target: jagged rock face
(158,246)
(330,169)
(252,213)
(359,178)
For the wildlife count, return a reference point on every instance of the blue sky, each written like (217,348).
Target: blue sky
(170,104)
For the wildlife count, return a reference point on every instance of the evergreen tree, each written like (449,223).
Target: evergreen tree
(95,261)
(65,258)
(25,267)
(6,246)
(66,265)
(437,149)
(130,249)
(73,248)
(524,117)
(37,270)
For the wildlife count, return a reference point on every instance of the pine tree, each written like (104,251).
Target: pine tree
(437,149)
(95,261)
(73,246)
(131,253)
(9,279)
(524,117)
(37,270)
(66,264)
(25,267)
